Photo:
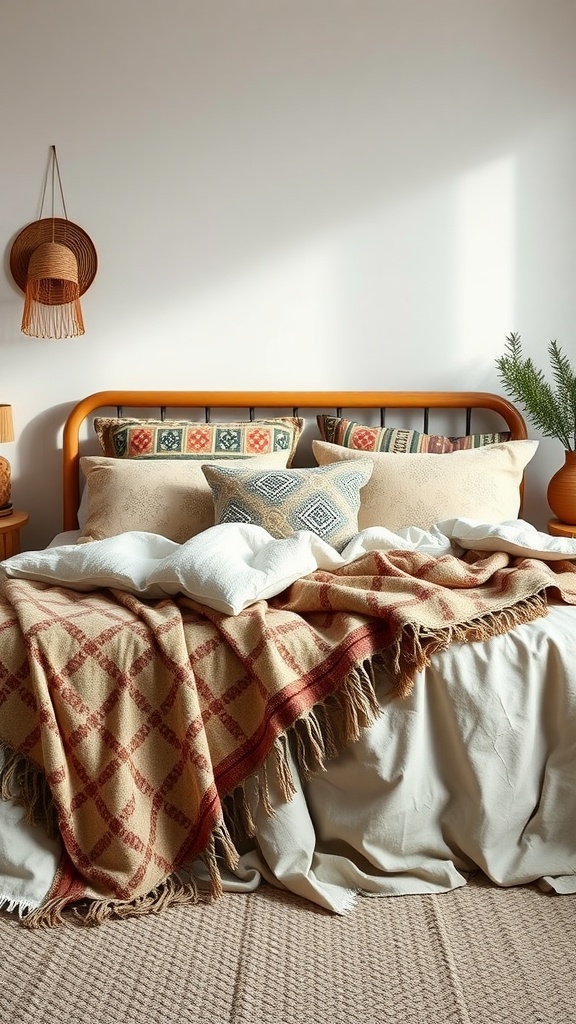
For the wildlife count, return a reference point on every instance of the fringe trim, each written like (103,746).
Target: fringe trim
(413,648)
(90,913)
(219,840)
(20,906)
(25,784)
(315,738)
(329,727)
(63,320)
(173,891)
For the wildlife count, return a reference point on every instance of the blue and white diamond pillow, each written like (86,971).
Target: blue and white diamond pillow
(324,499)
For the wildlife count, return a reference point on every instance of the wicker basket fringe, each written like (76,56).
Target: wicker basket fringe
(52,298)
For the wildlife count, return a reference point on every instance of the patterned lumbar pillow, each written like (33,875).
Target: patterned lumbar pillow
(363,438)
(324,500)
(122,438)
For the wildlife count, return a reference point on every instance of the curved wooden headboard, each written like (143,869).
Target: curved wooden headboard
(295,401)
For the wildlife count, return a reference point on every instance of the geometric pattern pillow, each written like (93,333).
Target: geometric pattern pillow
(324,500)
(124,438)
(351,434)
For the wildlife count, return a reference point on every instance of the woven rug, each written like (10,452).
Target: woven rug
(477,955)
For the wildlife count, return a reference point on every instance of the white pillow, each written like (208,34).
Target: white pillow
(166,496)
(420,489)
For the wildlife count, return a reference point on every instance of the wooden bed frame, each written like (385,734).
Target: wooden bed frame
(296,402)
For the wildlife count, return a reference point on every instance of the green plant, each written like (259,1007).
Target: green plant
(551,409)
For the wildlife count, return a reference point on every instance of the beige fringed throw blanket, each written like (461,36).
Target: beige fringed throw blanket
(143,716)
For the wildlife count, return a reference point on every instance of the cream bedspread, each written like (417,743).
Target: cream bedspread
(476,768)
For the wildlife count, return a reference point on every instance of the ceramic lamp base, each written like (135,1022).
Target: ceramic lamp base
(5,482)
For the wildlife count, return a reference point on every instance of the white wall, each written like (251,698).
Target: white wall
(307,193)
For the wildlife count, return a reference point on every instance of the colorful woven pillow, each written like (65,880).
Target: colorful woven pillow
(324,500)
(351,434)
(122,438)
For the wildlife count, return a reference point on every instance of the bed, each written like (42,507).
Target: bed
(284,637)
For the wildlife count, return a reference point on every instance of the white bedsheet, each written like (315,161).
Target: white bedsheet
(28,859)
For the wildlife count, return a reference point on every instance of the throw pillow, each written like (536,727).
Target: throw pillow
(422,489)
(324,500)
(364,438)
(123,438)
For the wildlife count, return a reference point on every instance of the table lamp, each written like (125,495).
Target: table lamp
(6,434)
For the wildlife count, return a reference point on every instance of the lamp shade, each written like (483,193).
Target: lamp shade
(6,424)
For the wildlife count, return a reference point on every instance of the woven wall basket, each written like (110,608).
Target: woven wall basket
(53,261)
(66,233)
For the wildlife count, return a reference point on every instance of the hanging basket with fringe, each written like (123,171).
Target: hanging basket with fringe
(53,261)
(52,298)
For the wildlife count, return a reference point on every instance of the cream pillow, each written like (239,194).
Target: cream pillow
(421,489)
(166,496)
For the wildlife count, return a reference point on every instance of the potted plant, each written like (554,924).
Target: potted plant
(552,410)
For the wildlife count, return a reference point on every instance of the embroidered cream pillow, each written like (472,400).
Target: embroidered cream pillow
(324,500)
(166,496)
(420,489)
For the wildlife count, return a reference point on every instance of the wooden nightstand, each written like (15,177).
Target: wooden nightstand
(10,527)
(558,529)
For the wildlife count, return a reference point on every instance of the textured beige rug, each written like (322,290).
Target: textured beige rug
(478,955)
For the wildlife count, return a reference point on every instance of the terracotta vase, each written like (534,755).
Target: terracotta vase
(562,490)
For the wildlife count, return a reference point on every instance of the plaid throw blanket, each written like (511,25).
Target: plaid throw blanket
(135,721)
